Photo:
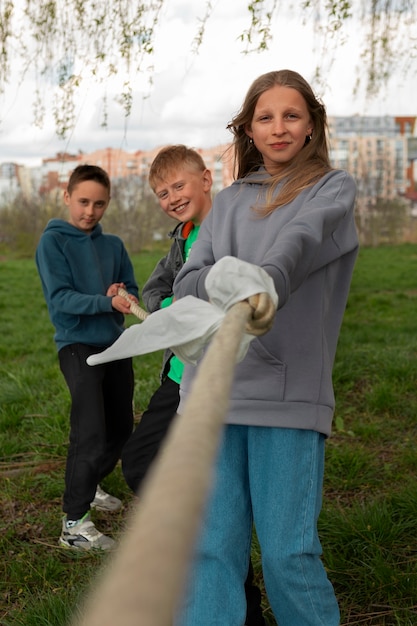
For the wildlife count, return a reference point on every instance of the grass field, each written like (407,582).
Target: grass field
(368,524)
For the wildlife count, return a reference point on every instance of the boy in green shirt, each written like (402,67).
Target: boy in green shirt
(182,184)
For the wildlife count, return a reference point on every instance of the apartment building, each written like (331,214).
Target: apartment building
(121,164)
(9,181)
(375,150)
(379,152)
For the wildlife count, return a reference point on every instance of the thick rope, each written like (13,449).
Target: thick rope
(145,578)
(135,308)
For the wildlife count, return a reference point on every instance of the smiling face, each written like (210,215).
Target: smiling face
(184,193)
(86,203)
(280,124)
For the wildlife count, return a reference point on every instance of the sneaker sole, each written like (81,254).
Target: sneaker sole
(104,507)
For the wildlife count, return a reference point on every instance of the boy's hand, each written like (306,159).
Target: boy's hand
(121,304)
(114,289)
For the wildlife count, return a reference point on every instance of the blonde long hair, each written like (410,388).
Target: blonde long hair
(308,166)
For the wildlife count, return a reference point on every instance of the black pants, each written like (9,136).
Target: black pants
(141,450)
(101,421)
(143,446)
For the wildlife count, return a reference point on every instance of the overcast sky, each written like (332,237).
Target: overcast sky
(192,98)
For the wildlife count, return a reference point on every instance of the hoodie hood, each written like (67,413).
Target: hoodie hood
(65,228)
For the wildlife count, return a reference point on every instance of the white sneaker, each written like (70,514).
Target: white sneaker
(83,535)
(105,502)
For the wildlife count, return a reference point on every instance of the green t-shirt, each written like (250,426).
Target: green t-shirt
(176,367)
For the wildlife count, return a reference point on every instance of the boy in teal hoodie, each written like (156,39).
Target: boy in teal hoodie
(81,269)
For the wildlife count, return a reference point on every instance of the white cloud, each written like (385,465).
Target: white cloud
(193,97)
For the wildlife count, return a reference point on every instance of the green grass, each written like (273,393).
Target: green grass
(368,525)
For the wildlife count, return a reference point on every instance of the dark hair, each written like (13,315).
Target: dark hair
(310,164)
(88,172)
(171,158)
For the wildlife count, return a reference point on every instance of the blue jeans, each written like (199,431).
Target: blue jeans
(271,477)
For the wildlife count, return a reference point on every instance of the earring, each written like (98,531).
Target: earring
(308,139)
(250,140)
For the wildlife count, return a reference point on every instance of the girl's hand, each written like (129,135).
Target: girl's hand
(263,314)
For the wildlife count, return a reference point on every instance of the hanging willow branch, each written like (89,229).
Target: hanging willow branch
(391,40)
(67,43)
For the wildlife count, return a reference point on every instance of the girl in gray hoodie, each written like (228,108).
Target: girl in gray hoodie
(290,213)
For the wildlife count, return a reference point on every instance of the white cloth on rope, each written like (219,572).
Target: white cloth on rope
(187,326)
(186,320)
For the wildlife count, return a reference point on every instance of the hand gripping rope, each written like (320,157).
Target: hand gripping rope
(135,308)
(145,577)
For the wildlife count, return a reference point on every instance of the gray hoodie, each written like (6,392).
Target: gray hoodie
(308,247)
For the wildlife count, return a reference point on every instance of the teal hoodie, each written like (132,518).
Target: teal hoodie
(76,269)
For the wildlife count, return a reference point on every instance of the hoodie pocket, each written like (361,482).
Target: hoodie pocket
(260,375)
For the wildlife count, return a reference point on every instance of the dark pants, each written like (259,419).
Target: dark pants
(101,421)
(142,448)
